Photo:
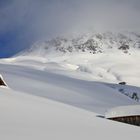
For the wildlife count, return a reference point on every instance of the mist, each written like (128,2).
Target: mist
(22,22)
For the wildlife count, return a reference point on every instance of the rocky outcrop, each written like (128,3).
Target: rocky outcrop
(90,43)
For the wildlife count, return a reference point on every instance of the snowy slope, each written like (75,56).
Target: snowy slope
(107,57)
(25,116)
(85,94)
(54,93)
(126,89)
(32,118)
(111,67)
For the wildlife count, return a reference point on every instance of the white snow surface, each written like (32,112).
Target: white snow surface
(64,96)
(59,84)
(29,117)
(108,56)
(122,111)
(47,100)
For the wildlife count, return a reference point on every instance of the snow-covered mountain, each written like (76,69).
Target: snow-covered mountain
(61,89)
(89,42)
(105,57)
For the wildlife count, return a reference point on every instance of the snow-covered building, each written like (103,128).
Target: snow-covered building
(2,82)
(126,114)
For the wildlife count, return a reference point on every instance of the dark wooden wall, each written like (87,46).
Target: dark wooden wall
(134,120)
(2,83)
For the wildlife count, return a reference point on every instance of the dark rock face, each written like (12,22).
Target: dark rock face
(135,96)
(91,45)
(2,82)
(122,83)
(124,47)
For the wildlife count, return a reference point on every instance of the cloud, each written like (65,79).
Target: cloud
(30,20)
(52,16)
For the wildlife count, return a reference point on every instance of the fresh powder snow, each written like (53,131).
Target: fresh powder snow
(65,89)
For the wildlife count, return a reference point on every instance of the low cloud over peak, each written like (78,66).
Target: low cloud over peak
(30,20)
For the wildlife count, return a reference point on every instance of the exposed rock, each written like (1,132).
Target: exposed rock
(122,83)
(124,47)
(90,43)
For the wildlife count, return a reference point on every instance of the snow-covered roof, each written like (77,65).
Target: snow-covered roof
(123,111)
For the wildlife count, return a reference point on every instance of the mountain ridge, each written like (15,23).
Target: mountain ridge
(107,57)
(88,42)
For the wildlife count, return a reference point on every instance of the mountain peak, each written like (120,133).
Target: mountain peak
(88,42)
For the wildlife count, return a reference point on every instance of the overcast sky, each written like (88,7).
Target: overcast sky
(23,22)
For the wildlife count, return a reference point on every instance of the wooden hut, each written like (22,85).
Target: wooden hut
(2,83)
(125,114)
